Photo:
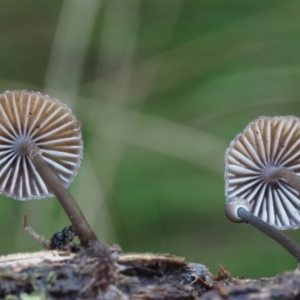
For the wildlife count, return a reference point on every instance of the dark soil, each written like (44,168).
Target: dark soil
(106,273)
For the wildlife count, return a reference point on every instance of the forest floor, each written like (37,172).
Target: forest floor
(107,273)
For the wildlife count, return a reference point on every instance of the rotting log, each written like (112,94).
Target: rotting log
(65,275)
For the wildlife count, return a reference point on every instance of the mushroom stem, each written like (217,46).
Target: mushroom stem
(285,173)
(80,224)
(287,243)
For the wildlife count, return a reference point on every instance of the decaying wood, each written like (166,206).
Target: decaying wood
(112,275)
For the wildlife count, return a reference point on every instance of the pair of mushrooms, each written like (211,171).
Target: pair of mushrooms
(261,175)
(40,152)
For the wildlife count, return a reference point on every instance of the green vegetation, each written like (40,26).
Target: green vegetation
(161,88)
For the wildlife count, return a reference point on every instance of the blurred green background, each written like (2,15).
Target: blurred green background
(161,88)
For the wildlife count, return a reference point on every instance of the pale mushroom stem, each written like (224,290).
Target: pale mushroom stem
(80,224)
(287,243)
(280,172)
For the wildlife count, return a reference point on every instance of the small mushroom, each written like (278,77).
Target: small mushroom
(40,152)
(262,166)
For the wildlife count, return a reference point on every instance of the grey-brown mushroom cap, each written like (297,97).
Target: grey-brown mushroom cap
(54,129)
(231,208)
(266,142)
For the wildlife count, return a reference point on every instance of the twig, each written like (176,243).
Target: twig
(35,235)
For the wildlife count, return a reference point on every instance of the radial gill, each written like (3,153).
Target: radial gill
(266,144)
(52,126)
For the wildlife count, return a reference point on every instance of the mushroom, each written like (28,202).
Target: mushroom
(262,166)
(40,152)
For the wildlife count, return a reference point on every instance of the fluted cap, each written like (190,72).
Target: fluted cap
(231,208)
(266,142)
(54,129)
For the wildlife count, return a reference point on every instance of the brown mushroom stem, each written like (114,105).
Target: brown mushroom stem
(81,226)
(287,243)
(291,177)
